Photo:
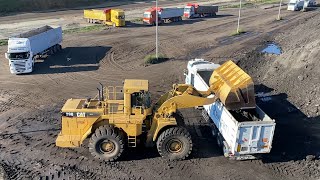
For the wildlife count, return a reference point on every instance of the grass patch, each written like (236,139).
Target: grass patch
(279,19)
(241,31)
(3,42)
(30,5)
(243,5)
(99,27)
(152,59)
(137,20)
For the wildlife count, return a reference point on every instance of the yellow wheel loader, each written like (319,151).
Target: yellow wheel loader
(120,117)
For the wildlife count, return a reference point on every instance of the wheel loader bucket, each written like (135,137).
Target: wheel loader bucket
(233,87)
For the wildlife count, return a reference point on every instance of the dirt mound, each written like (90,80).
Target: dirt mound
(291,82)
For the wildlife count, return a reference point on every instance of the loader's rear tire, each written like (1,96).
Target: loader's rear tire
(174,143)
(106,143)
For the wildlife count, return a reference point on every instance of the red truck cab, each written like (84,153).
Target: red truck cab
(149,16)
(190,9)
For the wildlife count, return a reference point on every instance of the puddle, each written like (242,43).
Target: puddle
(272,48)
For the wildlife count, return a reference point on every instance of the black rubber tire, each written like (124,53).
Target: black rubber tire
(102,134)
(59,47)
(174,133)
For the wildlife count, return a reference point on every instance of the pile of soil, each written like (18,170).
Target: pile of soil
(292,83)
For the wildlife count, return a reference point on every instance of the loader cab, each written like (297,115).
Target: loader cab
(136,97)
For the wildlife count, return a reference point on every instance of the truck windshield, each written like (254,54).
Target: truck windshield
(19,56)
(146,15)
(121,17)
(187,9)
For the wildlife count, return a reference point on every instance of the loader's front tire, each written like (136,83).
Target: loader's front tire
(106,143)
(174,143)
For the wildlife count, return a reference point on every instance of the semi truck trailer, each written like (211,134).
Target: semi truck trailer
(192,10)
(164,15)
(241,134)
(110,17)
(24,48)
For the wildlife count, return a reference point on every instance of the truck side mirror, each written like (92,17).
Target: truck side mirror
(6,55)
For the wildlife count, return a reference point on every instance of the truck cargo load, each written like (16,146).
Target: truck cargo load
(110,17)
(25,47)
(242,134)
(164,15)
(192,10)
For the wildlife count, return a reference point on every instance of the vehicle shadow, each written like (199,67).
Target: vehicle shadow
(296,135)
(72,59)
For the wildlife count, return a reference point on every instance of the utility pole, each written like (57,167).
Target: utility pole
(238,28)
(157,29)
(279,15)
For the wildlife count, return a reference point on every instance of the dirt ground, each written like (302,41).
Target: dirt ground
(30,104)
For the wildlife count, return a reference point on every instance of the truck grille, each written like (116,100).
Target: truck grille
(19,66)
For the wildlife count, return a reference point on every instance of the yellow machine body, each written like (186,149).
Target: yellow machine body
(111,17)
(128,108)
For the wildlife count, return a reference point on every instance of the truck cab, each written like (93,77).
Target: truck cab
(149,17)
(202,67)
(295,5)
(20,56)
(118,17)
(189,10)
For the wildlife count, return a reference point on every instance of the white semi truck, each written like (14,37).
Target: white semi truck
(242,134)
(297,5)
(24,48)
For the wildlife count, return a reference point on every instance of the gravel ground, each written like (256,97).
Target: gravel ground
(30,104)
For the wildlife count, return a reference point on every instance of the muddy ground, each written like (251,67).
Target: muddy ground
(30,104)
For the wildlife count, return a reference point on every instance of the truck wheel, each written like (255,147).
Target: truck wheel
(219,140)
(113,24)
(180,18)
(106,143)
(59,47)
(174,143)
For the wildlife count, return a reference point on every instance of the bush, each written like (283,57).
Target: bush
(238,33)
(3,42)
(152,59)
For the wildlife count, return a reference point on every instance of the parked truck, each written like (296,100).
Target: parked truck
(110,17)
(297,5)
(164,15)
(193,10)
(241,133)
(24,48)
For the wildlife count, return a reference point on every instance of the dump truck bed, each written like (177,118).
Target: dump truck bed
(244,136)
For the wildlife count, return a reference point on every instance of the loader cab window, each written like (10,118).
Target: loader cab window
(19,56)
(141,99)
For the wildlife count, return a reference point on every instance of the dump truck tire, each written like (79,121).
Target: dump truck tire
(174,143)
(106,143)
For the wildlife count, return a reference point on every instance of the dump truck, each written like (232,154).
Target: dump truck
(192,10)
(243,133)
(122,116)
(164,15)
(25,48)
(110,17)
